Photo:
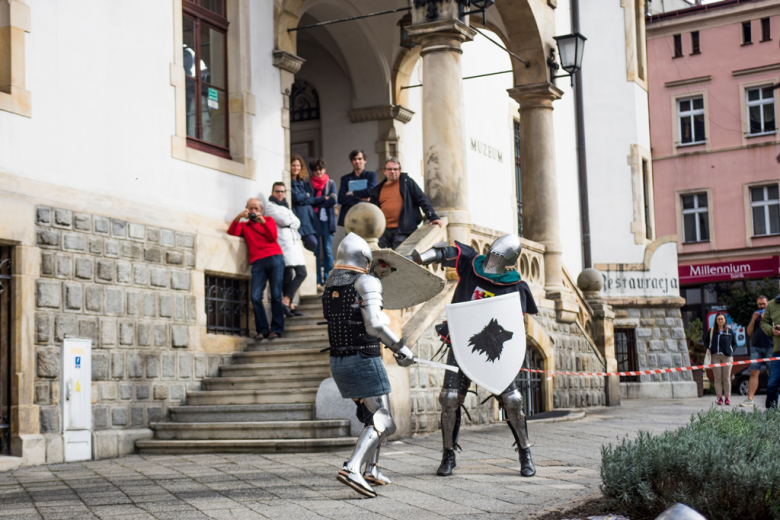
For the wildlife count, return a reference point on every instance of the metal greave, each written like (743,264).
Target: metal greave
(513,405)
(448,398)
(367,445)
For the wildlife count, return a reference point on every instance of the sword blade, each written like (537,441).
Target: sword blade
(435,364)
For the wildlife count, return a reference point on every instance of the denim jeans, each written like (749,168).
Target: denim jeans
(294,275)
(269,269)
(773,386)
(324,253)
(391,239)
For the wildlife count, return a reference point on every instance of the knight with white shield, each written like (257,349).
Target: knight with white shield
(495,345)
(352,304)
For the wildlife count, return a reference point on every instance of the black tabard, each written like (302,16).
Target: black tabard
(347,334)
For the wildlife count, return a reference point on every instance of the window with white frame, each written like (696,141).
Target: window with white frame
(765,203)
(696,219)
(760,110)
(690,114)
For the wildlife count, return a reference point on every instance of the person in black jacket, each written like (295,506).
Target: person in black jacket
(722,345)
(302,195)
(402,202)
(346,197)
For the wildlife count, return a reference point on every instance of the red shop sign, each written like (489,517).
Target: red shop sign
(735,270)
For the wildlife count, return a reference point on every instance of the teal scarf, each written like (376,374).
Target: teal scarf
(508,277)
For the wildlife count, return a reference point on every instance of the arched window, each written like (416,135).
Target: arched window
(304,102)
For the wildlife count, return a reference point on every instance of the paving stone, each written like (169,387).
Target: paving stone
(167,238)
(82,222)
(63,217)
(43,215)
(118,228)
(181,280)
(74,242)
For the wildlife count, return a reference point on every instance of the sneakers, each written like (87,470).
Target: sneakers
(727,402)
(748,403)
(720,401)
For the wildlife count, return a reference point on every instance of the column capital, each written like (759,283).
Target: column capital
(287,61)
(441,35)
(536,95)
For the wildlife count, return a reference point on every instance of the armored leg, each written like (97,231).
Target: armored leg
(512,402)
(451,397)
(367,444)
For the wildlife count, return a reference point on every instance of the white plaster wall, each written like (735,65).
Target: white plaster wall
(411,134)
(103,108)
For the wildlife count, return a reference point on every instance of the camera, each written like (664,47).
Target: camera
(252,216)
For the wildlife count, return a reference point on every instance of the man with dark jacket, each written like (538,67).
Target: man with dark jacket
(402,202)
(347,198)
(770,324)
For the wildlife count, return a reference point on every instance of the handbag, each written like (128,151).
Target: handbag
(708,355)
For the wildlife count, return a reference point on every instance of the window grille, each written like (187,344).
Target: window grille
(625,353)
(227,305)
(765,204)
(761,110)
(304,102)
(205,68)
(5,350)
(696,224)
(691,120)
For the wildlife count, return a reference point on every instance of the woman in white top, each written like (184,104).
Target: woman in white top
(290,241)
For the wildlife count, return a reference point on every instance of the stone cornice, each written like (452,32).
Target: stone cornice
(287,61)
(756,70)
(377,113)
(690,81)
(455,27)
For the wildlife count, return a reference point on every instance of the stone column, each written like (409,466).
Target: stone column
(540,184)
(444,137)
(289,65)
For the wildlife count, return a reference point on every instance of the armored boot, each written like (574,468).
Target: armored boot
(447,463)
(372,474)
(352,472)
(450,424)
(527,468)
(515,418)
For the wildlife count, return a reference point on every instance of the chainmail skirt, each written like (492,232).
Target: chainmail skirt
(359,377)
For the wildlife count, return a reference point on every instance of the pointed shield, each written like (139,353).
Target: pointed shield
(488,339)
(404,283)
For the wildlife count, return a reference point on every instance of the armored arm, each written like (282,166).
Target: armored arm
(440,253)
(370,290)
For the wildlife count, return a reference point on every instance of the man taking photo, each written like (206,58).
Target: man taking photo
(403,203)
(770,324)
(761,347)
(265,255)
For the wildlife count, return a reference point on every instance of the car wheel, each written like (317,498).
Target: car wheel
(744,385)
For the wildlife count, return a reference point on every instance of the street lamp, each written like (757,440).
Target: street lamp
(570,49)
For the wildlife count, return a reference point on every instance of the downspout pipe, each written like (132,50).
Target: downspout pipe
(582,164)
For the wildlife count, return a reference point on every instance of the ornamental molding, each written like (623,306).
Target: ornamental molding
(287,61)
(381,112)
(689,81)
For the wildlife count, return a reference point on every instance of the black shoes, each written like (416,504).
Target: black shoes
(274,335)
(447,463)
(527,468)
(287,312)
(296,312)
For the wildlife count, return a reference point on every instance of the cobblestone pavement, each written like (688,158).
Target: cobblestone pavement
(486,483)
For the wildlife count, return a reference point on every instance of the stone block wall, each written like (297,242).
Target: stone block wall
(128,288)
(425,383)
(660,340)
(572,354)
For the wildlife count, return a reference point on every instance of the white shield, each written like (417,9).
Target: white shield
(404,283)
(488,339)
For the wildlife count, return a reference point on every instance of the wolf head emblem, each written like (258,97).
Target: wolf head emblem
(490,340)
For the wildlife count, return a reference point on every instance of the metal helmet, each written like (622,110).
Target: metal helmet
(503,254)
(353,251)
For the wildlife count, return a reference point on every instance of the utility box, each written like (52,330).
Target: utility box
(76,399)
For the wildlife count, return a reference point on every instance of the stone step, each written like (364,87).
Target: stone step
(242,413)
(319,342)
(271,396)
(298,331)
(292,383)
(310,307)
(307,368)
(245,446)
(251,430)
(310,320)
(279,356)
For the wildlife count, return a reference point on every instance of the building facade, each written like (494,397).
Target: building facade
(715,145)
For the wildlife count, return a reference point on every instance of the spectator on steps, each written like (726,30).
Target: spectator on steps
(347,197)
(324,202)
(267,262)
(301,198)
(290,242)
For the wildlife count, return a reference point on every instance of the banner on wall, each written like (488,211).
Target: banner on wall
(659,279)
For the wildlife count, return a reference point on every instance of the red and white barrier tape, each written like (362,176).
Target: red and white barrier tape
(647,372)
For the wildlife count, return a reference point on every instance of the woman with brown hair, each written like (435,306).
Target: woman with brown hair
(301,195)
(722,344)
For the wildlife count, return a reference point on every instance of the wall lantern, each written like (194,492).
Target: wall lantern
(570,49)
(403,23)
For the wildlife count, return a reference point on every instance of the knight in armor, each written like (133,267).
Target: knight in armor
(352,305)
(480,276)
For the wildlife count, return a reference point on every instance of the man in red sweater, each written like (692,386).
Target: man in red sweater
(267,261)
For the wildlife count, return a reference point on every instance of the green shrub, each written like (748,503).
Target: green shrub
(725,465)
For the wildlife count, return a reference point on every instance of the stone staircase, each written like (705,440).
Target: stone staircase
(263,402)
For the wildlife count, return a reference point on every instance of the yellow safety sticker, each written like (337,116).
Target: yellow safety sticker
(77,350)
(78,386)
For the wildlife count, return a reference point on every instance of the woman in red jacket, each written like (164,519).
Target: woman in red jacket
(267,261)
